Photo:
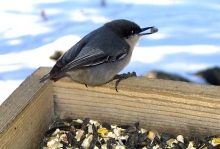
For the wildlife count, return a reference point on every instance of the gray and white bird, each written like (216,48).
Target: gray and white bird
(99,56)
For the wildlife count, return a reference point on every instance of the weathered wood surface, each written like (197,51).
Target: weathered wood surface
(174,107)
(170,106)
(26,114)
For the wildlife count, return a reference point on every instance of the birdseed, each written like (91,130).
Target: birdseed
(90,134)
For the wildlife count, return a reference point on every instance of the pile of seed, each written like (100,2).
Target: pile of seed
(90,134)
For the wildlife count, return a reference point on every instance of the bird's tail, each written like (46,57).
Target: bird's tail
(45,77)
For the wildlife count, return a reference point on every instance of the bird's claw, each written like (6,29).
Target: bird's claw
(123,76)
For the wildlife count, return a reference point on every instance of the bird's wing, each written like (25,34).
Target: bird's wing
(94,56)
(89,52)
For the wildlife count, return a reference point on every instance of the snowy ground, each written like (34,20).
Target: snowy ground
(187,41)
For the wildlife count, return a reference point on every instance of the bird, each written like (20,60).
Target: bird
(165,76)
(100,55)
(211,75)
(56,55)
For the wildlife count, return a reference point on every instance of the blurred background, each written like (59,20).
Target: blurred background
(187,42)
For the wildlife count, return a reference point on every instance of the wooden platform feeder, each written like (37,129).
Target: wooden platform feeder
(167,106)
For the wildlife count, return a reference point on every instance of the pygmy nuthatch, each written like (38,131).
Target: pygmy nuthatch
(99,56)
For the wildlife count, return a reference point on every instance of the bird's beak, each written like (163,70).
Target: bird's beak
(152,30)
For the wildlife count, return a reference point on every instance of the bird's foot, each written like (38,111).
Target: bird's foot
(123,76)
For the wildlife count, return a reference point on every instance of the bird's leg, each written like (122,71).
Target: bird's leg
(123,76)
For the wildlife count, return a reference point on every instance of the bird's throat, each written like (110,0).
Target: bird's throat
(133,40)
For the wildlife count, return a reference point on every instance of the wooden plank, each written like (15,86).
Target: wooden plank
(170,106)
(26,114)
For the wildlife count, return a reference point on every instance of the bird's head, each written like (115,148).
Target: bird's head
(127,28)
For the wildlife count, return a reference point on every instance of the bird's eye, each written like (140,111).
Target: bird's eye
(129,33)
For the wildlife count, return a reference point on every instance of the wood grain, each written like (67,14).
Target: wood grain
(26,115)
(170,106)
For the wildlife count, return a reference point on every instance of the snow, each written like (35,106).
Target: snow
(30,31)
